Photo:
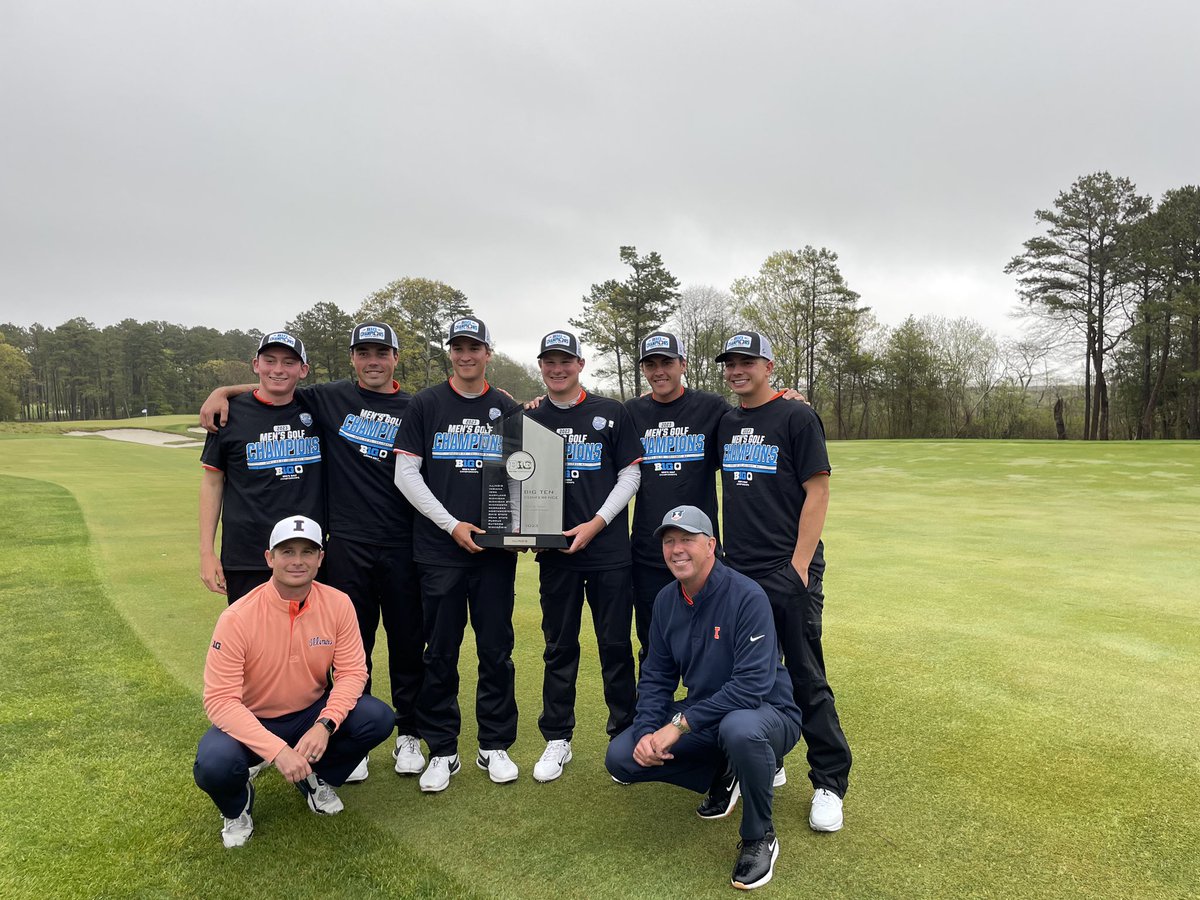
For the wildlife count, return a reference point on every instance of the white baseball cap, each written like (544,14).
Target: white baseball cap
(296,527)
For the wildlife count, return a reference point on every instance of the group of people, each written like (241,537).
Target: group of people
(394,481)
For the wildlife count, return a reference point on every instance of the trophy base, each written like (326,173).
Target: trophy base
(521,541)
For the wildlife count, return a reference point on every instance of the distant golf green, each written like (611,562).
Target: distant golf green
(1012,631)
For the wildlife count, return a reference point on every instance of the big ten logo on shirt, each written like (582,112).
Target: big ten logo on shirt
(666,447)
(374,433)
(285,450)
(468,444)
(748,454)
(583,454)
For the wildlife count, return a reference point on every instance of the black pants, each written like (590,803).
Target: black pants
(240,582)
(610,595)
(382,582)
(450,594)
(647,582)
(798,621)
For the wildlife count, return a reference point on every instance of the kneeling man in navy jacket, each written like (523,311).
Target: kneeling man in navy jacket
(712,628)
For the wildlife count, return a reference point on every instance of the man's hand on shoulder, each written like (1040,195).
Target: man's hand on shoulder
(215,411)
(792,394)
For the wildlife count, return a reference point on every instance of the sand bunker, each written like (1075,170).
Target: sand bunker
(141,436)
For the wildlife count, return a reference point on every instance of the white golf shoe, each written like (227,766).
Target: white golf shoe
(359,774)
(408,756)
(500,768)
(235,832)
(556,755)
(436,776)
(826,812)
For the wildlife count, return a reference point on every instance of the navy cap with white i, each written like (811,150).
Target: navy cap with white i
(471,327)
(747,343)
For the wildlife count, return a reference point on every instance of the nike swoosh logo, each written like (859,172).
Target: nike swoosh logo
(757,638)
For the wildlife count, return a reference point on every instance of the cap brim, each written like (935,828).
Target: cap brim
(671,354)
(689,529)
(721,357)
(299,355)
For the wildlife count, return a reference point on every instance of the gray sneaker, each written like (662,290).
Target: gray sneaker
(322,799)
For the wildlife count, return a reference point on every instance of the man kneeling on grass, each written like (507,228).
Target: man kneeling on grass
(266,687)
(713,628)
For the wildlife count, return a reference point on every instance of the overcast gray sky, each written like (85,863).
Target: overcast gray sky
(230,163)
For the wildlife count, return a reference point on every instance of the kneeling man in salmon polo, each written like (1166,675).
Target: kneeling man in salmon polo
(267,693)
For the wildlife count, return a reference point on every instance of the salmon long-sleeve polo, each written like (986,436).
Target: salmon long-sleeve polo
(270,657)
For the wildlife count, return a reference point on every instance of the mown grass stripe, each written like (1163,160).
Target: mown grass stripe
(96,751)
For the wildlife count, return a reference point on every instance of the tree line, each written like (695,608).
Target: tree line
(1109,289)
(78,371)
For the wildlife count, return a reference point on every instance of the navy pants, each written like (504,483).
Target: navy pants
(222,767)
(610,595)
(750,739)
(382,582)
(797,612)
(483,592)
(647,582)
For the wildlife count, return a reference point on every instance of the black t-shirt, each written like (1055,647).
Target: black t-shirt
(767,453)
(271,458)
(601,441)
(452,434)
(359,428)
(680,455)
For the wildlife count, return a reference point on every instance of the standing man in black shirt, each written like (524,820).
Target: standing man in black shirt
(264,464)
(600,478)
(677,427)
(369,551)
(775,479)
(446,435)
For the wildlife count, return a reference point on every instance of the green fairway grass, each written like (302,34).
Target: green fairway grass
(1011,630)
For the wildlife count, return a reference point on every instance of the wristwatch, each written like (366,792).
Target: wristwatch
(679,722)
(326,723)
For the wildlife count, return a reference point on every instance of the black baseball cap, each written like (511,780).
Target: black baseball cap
(374,333)
(662,343)
(283,339)
(747,343)
(470,327)
(560,340)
